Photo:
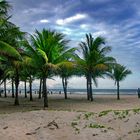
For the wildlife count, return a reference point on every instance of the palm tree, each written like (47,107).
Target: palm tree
(65,72)
(47,50)
(119,73)
(10,36)
(94,60)
(11,57)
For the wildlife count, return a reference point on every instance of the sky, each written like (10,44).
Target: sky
(116,20)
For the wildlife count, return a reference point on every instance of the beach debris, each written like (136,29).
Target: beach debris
(110,128)
(126,120)
(94,134)
(5,127)
(104,131)
(52,125)
(37,128)
(130,132)
(31,133)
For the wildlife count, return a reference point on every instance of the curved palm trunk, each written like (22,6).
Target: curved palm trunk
(118,91)
(30,84)
(5,95)
(16,86)
(13,95)
(64,81)
(40,89)
(25,89)
(45,93)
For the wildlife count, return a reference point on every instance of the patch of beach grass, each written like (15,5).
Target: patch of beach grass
(94,125)
(103,113)
(88,115)
(121,114)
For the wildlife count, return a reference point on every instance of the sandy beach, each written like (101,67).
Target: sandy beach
(76,118)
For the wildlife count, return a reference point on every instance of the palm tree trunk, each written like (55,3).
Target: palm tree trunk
(88,96)
(42,93)
(90,88)
(5,95)
(118,91)
(16,86)
(45,93)
(13,95)
(0,89)
(40,89)
(64,81)
(30,84)
(25,89)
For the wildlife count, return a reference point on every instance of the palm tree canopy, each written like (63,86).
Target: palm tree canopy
(94,55)
(49,51)
(120,72)
(4,7)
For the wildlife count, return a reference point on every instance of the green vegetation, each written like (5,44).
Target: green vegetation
(136,131)
(88,115)
(103,113)
(121,114)
(74,124)
(136,110)
(94,62)
(118,74)
(92,125)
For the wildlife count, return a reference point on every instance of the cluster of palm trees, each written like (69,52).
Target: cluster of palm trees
(45,54)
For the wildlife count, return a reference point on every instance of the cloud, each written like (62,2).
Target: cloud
(115,20)
(71,19)
(44,21)
(32,11)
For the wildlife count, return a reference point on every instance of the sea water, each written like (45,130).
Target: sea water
(84,91)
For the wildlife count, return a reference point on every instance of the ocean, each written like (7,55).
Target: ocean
(98,91)
(83,91)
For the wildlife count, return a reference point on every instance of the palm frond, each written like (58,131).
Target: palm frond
(8,51)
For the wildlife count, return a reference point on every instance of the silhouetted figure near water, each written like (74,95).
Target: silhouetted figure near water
(138,91)
(1,91)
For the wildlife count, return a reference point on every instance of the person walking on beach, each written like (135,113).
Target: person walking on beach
(138,91)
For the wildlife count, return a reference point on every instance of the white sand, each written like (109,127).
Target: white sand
(73,125)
